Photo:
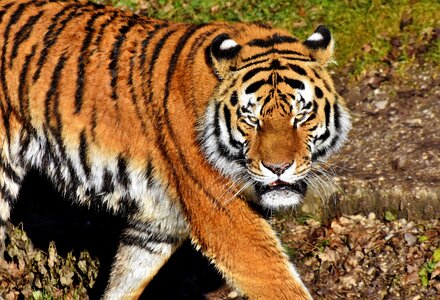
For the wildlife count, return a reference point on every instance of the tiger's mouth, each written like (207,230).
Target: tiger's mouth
(299,187)
(281,194)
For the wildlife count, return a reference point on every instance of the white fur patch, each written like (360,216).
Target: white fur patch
(280,198)
(316,37)
(5,210)
(228,44)
(134,267)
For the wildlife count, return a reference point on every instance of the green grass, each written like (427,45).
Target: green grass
(362,28)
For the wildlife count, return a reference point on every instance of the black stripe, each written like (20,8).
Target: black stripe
(326,134)
(83,153)
(252,88)
(217,130)
(152,233)
(122,171)
(104,25)
(316,74)
(227,114)
(142,61)
(272,51)
(22,35)
(272,41)
(53,95)
(132,87)
(284,99)
(337,125)
(145,242)
(311,117)
(337,116)
(222,149)
(6,111)
(250,64)
(115,53)
(23,86)
(130,240)
(298,69)
(127,207)
(51,35)
(195,49)
(318,92)
(3,12)
(294,84)
(254,72)
(234,98)
(8,5)
(53,89)
(152,62)
(299,59)
(145,43)
(327,86)
(9,172)
(25,140)
(107,182)
(149,169)
(319,153)
(83,60)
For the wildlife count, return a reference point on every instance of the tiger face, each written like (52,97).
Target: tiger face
(275,113)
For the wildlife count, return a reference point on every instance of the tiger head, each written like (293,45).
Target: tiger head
(274,114)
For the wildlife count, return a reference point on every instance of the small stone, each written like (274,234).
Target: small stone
(381,104)
(344,221)
(371,216)
(416,122)
(410,238)
(399,163)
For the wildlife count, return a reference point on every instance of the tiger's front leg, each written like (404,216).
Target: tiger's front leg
(143,250)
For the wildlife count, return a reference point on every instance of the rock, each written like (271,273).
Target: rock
(381,104)
(399,163)
(416,122)
(371,216)
(410,238)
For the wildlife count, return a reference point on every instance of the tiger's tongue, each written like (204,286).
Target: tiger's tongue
(278,182)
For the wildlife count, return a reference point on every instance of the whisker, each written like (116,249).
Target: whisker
(245,186)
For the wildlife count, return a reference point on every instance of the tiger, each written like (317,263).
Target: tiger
(181,129)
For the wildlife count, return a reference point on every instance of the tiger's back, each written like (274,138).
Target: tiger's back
(124,113)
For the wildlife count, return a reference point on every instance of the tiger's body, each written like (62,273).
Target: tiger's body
(151,120)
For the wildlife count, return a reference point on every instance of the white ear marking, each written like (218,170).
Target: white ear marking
(316,37)
(228,44)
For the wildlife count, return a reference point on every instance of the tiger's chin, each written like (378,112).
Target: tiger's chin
(281,195)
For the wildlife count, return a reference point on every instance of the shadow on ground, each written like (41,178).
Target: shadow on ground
(46,217)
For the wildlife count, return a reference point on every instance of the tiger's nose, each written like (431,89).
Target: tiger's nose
(277,169)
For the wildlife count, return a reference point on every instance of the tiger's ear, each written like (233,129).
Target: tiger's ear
(321,44)
(222,54)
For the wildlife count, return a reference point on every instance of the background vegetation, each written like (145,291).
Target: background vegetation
(366,31)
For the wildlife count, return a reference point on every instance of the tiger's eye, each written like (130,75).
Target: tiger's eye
(253,120)
(299,117)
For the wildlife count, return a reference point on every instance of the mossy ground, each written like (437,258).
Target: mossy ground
(364,29)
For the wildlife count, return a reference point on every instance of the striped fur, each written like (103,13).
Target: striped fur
(124,113)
